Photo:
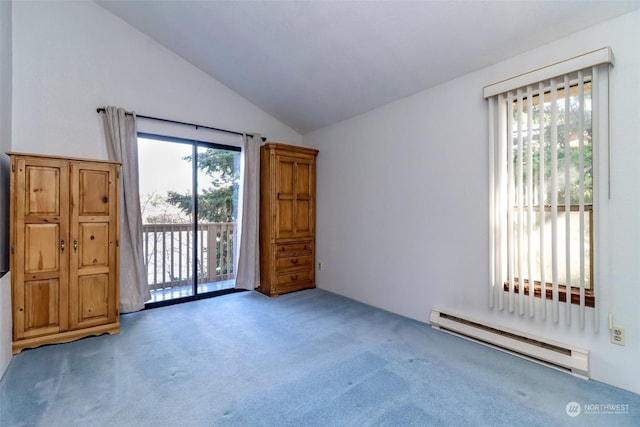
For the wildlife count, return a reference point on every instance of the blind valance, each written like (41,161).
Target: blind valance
(596,57)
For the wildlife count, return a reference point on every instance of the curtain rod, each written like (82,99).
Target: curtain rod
(102,110)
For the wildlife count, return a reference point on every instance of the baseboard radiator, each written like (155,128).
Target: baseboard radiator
(555,355)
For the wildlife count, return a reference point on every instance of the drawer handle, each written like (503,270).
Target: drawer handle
(294,261)
(294,277)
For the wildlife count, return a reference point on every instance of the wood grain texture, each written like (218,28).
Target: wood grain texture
(287,218)
(64,248)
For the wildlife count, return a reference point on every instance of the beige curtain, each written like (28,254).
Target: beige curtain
(248,266)
(122,145)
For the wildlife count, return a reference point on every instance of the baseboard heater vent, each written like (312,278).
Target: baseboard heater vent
(555,355)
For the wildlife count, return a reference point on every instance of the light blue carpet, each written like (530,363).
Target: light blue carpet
(310,358)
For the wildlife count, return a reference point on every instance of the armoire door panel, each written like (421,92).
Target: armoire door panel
(285,218)
(42,248)
(93,297)
(285,174)
(93,244)
(42,188)
(303,220)
(94,192)
(40,308)
(303,180)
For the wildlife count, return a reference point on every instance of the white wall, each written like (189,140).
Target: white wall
(5,145)
(5,129)
(403,196)
(71,57)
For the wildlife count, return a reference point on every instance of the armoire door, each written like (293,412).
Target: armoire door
(294,184)
(93,295)
(40,246)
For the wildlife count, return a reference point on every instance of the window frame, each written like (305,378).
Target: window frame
(599,62)
(195,145)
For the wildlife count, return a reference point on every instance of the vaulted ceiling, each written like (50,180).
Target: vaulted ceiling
(315,63)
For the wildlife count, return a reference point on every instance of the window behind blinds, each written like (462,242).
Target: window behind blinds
(545,139)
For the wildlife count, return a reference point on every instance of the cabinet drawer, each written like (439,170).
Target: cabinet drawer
(289,249)
(294,278)
(291,263)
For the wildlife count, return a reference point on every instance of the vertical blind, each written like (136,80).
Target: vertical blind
(547,129)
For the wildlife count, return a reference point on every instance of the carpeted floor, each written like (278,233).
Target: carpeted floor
(311,358)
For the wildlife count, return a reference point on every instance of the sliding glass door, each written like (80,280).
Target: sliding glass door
(189,199)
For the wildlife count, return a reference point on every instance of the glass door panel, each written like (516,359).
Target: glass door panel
(166,182)
(189,242)
(218,177)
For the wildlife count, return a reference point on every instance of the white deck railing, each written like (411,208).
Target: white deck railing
(168,251)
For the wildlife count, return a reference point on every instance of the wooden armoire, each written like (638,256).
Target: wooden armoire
(287,218)
(64,249)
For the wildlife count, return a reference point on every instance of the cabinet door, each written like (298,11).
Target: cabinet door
(295,194)
(93,272)
(39,246)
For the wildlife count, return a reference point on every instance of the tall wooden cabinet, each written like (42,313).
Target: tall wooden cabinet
(287,218)
(64,249)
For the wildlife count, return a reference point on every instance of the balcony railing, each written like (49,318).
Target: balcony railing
(169,254)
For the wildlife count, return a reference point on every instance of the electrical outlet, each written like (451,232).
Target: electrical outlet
(617,335)
(319,265)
